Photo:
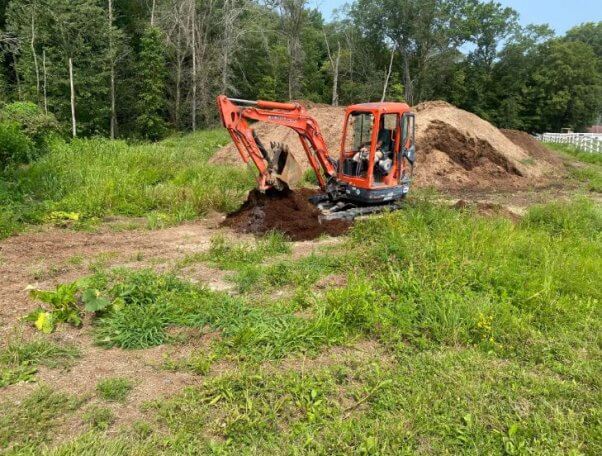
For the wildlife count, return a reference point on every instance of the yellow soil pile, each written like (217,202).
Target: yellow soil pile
(456,150)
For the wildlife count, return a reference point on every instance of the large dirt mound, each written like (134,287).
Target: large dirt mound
(288,212)
(459,150)
(456,150)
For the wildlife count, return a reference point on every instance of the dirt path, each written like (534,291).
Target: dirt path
(51,256)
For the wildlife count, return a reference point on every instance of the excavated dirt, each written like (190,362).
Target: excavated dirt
(289,212)
(533,147)
(456,150)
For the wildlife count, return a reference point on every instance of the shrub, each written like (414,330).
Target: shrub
(15,146)
(36,125)
(25,132)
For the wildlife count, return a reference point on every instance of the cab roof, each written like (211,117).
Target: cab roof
(380,108)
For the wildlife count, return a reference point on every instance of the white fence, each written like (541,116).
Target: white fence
(587,142)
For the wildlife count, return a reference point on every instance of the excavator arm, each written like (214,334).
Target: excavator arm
(237,117)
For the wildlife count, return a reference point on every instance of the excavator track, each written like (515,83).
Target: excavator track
(348,211)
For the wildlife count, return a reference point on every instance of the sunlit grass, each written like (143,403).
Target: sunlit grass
(169,182)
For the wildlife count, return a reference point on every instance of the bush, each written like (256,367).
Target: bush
(33,125)
(15,146)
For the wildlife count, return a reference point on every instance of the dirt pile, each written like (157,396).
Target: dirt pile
(456,150)
(288,212)
(532,146)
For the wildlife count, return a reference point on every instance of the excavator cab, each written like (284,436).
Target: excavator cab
(377,152)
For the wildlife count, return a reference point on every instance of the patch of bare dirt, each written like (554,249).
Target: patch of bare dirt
(51,256)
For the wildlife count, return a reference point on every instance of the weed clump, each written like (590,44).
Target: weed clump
(19,360)
(114,389)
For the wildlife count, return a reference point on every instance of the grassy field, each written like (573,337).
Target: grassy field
(591,175)
(87,179)
(426,331)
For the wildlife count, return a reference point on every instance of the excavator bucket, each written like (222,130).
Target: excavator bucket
(285,167)
(284,171)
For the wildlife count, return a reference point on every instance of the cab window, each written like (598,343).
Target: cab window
(359,131)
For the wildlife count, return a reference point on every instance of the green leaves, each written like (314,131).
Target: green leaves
(45,322)
(93,302)
(63,306)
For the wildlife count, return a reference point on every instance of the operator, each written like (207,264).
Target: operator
(383,142)
(383,147)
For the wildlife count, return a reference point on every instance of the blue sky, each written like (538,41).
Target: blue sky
(561,15)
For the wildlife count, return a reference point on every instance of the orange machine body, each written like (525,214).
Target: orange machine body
(366,186)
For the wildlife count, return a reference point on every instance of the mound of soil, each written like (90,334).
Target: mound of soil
(456,150)
(289,212)
(532,146)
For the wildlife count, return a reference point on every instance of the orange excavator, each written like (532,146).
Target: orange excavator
(372,173)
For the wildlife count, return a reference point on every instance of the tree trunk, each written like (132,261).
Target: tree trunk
(17,79)
(73,122)
(407,80)
(178,89)
(335,78)
(45,80)
(335,69)
(194,73)
(388,76)
(35,57)
(113,121)
(152,20)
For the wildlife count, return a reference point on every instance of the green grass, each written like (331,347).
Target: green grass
(590,175)
(167,182)
(28,424)
(114,389)
(99,418)
(487,336)
(19,360)
(587,157)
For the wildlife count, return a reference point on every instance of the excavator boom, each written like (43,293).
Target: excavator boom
(276,166)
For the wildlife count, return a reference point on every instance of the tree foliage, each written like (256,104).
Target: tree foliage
(170,58)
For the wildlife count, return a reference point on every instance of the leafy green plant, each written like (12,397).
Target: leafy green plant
(94,302)
(62,307)
(114,389)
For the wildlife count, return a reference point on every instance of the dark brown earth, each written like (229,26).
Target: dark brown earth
(289,212)
(535,149)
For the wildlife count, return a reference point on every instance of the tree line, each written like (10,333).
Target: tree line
(143,68)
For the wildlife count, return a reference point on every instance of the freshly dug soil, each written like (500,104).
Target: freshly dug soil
(289,212)
(532,146)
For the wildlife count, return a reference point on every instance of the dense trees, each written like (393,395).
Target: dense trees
(142,67)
